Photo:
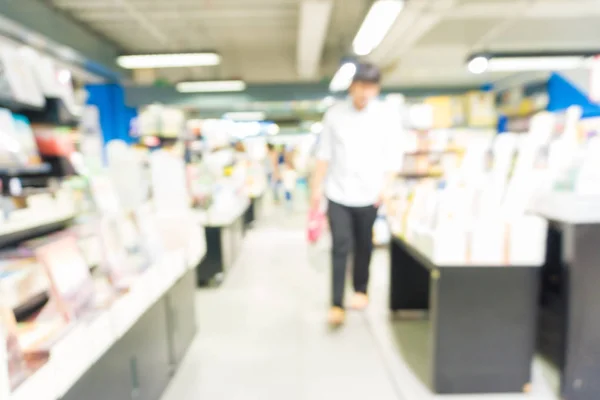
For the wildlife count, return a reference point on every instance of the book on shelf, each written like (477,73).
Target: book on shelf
(72,286)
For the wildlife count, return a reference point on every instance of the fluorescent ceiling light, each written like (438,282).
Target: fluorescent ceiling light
(510,64)
(499,63)
(245,116)
(377,23)
(343,77)
(168,60)
(478,65)
(312,32)
(211,86)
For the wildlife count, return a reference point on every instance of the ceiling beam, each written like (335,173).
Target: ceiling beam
(505,23)
(136,96)
(151,28)
(197,4)
(230,27)
(178,13)
(312,31)
(416,20)
(566,9)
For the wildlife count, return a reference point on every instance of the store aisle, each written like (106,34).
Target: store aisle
(263,334)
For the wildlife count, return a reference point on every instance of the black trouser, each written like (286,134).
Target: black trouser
(352,230)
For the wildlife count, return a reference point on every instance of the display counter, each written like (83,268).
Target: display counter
(257,204)
(569,331)
(129,350)
(224,232)
(469,329)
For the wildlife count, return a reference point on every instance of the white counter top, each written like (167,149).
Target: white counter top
(222,217)
(92,337)
(448,248)
(567,207)
(256,191)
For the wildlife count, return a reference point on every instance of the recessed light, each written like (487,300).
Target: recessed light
(478,65)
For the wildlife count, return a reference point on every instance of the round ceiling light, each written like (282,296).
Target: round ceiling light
(478,65)
(273,129)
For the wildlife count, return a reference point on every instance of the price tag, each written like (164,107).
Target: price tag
(140,304)
(196,246)
(154,283)
(450,245)
(179,263)
(527,241)
(72,357)
(101,335)
(120,315)
(15,187)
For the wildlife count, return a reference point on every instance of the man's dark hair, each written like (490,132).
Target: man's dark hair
(367,72)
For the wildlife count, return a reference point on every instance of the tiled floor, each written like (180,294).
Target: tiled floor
(263,334)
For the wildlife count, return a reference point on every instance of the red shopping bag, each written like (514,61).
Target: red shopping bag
(316,223)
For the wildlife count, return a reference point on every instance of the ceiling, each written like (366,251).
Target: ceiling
(256,38)
(273,41)
(431,39)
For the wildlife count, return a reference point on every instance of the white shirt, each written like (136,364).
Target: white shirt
(361,148)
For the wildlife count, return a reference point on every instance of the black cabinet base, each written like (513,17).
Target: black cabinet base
(579,343)
(212,263)
(480,333)
(254,212)
(483,321)
(141,363)
(223,245)
(409,289)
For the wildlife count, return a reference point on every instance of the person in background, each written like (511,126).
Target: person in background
(280,166)
(281,156)
(312,166)
(355,162)
(239,147)
(289,179)
(273,170)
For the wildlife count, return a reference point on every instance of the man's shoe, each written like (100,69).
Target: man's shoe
(360,301)
(336,316)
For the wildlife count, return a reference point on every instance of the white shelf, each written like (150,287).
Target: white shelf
(33,222)
(91,338)
(447,248)
(567,207)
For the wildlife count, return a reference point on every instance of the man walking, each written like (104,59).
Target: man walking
(355,160)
